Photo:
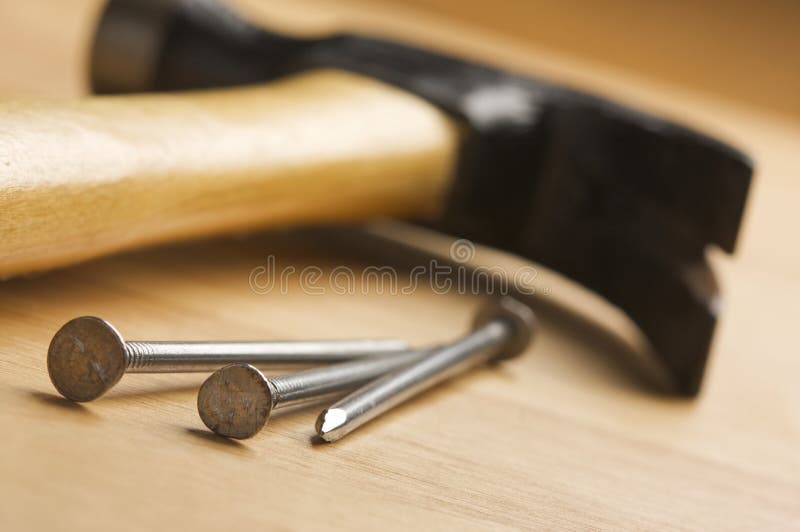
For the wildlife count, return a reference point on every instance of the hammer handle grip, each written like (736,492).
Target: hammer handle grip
(85,178)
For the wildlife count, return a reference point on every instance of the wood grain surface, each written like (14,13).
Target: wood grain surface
(565,437)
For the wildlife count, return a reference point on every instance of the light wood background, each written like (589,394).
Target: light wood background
(564,437)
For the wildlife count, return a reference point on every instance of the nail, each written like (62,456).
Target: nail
(237,400)
(502,329)
(87,356)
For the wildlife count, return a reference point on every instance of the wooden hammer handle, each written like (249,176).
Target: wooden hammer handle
(85,178)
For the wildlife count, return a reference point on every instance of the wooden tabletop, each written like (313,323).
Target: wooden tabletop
(567,436)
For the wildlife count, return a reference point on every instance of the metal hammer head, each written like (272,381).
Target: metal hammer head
(620,201)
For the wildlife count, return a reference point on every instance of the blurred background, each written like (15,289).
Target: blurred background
(733,49)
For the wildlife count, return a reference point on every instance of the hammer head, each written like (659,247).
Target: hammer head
(622,202)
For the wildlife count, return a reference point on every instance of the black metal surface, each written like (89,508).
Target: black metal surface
(620,201)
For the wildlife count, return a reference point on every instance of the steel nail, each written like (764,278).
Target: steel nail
(87,356)
(502,329)
(237,400)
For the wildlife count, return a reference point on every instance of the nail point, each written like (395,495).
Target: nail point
(329,422)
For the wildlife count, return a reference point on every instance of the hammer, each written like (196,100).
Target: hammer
(349,128)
